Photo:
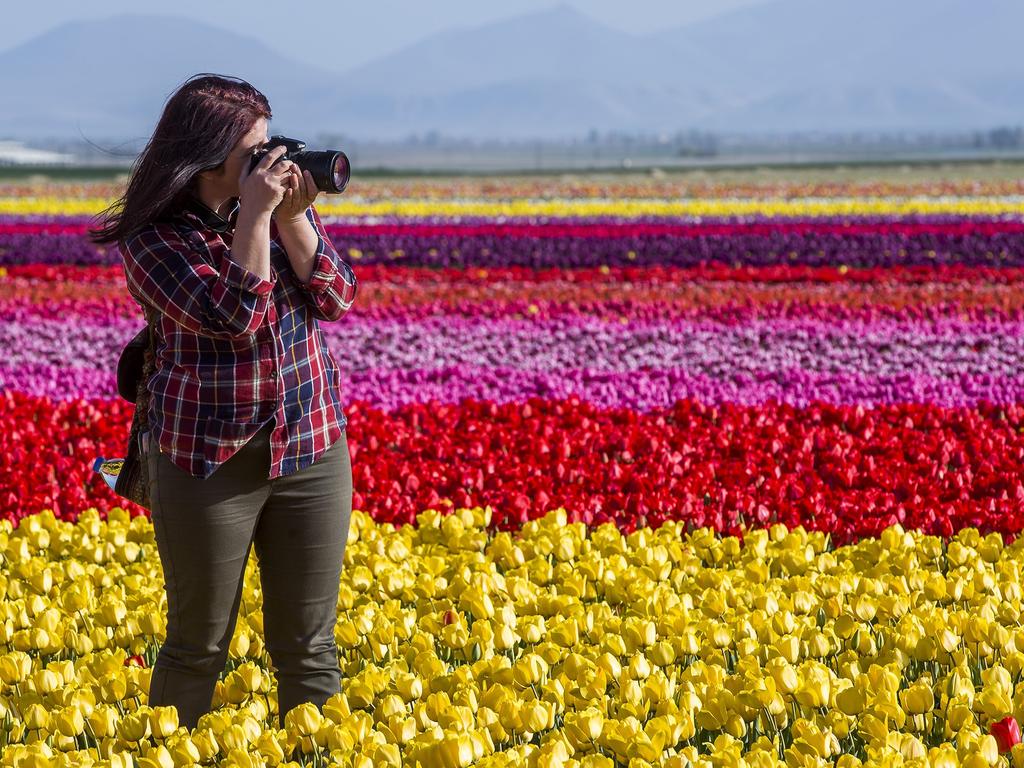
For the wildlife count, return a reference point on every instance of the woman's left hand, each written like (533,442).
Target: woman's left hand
(300,194)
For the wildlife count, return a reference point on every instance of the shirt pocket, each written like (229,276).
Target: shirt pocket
(229,392)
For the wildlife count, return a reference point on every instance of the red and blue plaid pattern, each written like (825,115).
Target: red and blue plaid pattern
(234,350)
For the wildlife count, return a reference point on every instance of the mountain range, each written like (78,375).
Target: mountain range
(785,65)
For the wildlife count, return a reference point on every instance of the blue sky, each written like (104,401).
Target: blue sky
(362,30)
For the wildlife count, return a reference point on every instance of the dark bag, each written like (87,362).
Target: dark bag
(134,367)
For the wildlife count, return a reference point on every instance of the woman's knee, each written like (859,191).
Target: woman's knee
(298,661)
(291,652)
(198,659)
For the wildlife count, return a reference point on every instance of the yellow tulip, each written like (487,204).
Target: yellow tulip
(304,719)
(917,699)
(455,752)
(531,669)
(851,700)
(15,667)
(979,750)
(37,716)
(537,716)
(585,726)
(158,757)
(134,726)
(69,721)
(185,751)
(993,702)
(103,720)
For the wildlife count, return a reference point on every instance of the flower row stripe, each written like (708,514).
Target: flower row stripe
(846,469)
(814,206)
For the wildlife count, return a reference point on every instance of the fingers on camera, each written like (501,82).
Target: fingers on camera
(272,155)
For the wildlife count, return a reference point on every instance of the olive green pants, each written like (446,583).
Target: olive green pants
(204,529)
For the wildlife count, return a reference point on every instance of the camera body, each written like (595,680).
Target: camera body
(330,168)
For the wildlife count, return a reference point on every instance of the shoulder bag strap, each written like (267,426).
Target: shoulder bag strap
(148,367)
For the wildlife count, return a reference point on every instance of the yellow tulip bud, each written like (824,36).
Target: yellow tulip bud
(389,706)
(585,726)
(157,757)
(537,716)
(359,694)
(850,701)
(15,667)
(818,646)
(409,687)
(103,720)
(531,669)
(163,721)
(134,726)
(304,719)
(918,699)
(611,666)
(455,752)
(240,644)
(865,607)
(69,721)
(533,631)
(184,750)
(47,681)
(785,676)
(662,653)
(814,687)
(788,647)
(872,729)
(37,716)
(639,668)
(480,606)
(985,751)
(721,636)
(234,737)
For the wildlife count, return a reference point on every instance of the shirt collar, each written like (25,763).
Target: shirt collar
(199,212)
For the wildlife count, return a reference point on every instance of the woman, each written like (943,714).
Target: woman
(247,434)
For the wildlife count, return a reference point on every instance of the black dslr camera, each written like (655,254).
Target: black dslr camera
(330,167)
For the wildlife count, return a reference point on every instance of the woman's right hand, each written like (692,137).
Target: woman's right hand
(261,190)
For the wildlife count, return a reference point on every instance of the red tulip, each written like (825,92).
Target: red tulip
(1006,733)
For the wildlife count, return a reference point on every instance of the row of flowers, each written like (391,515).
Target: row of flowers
(600,227)
(586,186)
(365,247)
(848,470)
(639,364)
(560,646)
(34,292)
(353,206)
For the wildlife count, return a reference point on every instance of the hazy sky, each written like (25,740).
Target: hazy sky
(337,35)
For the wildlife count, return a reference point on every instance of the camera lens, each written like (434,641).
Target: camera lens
(340,171)
(330,168)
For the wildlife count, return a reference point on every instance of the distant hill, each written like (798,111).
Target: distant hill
(111,76)
(780,66)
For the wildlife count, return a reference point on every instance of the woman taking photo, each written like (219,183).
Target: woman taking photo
(247,441)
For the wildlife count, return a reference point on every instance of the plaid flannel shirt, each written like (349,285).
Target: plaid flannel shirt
(234,351)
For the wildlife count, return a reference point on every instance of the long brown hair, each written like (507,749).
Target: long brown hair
(201,123)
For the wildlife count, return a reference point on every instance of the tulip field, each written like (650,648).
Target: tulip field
(648,471)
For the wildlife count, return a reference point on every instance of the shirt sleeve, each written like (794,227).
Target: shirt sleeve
(331,289)
(170,276)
